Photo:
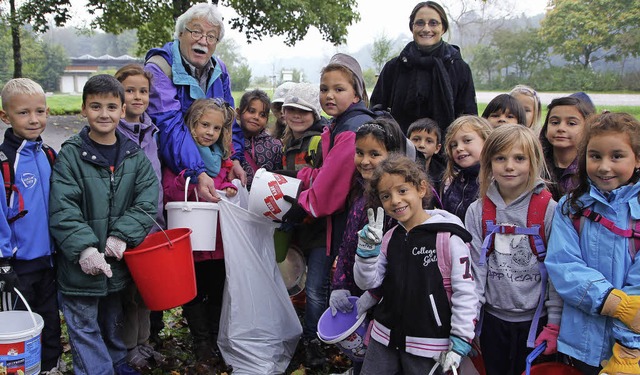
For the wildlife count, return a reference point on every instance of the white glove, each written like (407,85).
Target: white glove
(365,302)
(92,262)
(339,300)
(115,247)
(449,360)
(370,236)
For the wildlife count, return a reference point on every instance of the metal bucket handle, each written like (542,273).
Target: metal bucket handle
(159,226)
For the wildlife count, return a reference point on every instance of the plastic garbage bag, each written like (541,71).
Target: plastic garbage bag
(259,328)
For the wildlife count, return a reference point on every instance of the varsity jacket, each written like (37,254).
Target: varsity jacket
(414,314)
(508,285)
(29,243)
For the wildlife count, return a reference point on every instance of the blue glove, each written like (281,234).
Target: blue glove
(370,237)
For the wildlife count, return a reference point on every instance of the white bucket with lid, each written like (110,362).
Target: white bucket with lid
(267,194)
(20,345)
(200,217)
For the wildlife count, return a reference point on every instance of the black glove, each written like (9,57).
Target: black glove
(286,172)
(8,278)
(296,213)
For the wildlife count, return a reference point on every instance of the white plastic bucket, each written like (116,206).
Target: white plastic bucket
(200,217)
(20,346)
(267,194)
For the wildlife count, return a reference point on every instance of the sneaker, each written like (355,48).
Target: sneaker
(137,359)
(313,353)
(204,352)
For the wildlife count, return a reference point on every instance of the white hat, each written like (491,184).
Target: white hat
(304,96)
(281,92)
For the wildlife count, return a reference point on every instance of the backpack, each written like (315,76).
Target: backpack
(633,232)
(443,254)
(9,177)
(535,230)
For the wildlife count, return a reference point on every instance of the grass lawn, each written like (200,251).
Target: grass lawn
(61,104)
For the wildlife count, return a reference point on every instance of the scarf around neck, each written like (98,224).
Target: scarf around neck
(212,158)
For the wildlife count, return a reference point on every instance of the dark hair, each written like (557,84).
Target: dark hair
(132,70)
(585,110)
(433,5)
(621,123)
(102,84)
(506,103)
(427,125)
(400,165)
(386,131)
(252,95)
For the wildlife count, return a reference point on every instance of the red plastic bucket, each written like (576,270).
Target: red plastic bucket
(162,268)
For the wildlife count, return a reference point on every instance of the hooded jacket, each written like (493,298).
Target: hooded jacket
(169,100)
(414,314)
(584,266)
(89,202)
(508,285)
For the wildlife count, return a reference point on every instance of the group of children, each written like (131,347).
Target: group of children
(474,250)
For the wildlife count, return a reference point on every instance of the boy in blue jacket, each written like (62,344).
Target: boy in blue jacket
(26,249)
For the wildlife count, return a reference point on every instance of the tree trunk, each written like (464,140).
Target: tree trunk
(15,38)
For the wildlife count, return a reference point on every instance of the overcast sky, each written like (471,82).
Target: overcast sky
(377,17)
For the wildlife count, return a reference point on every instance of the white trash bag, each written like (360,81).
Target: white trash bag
(259,328)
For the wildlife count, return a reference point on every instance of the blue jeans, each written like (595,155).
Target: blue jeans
(93,324)
(316,289)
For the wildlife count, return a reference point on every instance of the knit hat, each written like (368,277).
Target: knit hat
(281,92)
(304,96)
(352,64)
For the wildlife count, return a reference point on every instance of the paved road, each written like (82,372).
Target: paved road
(59,128)
(598,99)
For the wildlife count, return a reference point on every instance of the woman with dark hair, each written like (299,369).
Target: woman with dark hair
(429,77)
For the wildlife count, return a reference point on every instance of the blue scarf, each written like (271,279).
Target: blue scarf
(212,158)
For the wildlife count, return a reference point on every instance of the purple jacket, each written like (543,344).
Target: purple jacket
(170,99)
(143,134)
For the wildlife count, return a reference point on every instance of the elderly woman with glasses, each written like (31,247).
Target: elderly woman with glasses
(185,70)
(429,77)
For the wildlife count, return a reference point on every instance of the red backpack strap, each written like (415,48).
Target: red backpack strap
(10,188)
(50,153)
(444,261)
(535,217)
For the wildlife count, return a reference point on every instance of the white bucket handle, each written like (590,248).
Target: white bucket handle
(433,369)
(186,189)
(33,317)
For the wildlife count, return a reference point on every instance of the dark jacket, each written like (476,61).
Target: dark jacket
(89,203)
(414,85)
(312,232)
(462,191)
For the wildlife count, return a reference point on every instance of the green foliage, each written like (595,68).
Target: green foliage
(381,51)
(239,70)
(522,50)
(483,63)
(291,18)
(370,78)
(589,30)
(42,62)
(568,78)
(240,77)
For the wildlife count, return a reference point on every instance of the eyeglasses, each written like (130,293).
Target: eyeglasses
(432,23)
(197,35)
